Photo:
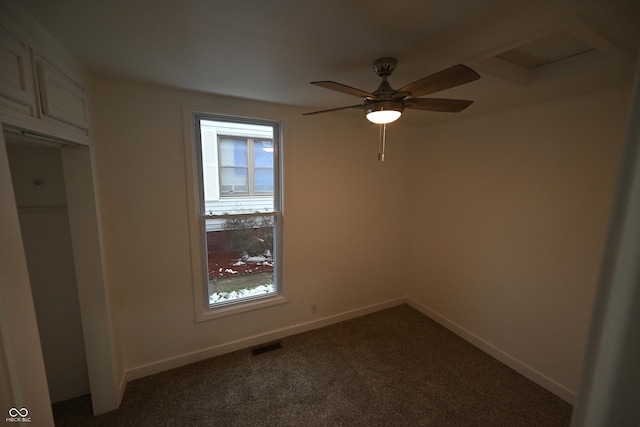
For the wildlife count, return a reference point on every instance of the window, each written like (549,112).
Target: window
(239,222)
(246,166)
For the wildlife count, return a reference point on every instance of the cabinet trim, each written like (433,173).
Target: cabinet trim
(15,79)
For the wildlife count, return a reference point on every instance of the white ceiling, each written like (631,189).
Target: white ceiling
(270,50)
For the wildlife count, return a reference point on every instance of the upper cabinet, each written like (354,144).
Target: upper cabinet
(16,84)
(61,98)
(42,88)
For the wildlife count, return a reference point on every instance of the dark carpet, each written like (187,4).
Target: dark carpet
(391,368)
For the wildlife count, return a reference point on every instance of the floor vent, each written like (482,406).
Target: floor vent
(266,348)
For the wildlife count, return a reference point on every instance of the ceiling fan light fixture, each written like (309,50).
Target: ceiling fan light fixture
(383,112)
(383,117)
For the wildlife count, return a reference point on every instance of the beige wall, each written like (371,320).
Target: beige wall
(510,219)
(345,220)
(500,219)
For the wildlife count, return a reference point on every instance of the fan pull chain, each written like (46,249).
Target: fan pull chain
(383,142)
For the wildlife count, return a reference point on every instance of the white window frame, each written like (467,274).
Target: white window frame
(197,218)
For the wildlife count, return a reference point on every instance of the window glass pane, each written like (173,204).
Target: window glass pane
(263,181)
(240,258)
(233,152)
(234,180)
(263,154)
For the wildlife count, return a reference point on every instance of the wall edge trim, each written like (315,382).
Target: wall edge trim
(243,343)
(498,354)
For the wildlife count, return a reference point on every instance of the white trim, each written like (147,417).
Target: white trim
(610,373)
(242,306)
(195,226)
(493,351)
(100,336)
(57,132)
(228,347)
(121,388)
(100,340)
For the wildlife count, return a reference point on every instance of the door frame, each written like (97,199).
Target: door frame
(21,357)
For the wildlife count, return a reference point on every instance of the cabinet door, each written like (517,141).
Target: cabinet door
(60,97)
(15,72)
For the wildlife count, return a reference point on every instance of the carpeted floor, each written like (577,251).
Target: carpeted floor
(391,368)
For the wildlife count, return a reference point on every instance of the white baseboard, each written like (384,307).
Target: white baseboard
(217,350)
(515,364)
(196,356)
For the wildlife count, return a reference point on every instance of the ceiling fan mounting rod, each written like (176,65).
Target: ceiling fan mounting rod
(384,91)
(384,67)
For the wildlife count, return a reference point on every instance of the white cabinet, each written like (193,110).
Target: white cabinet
(16,84)
(60,97)
(36,84)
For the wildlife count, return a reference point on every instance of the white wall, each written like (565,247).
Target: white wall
(346,222)
(510,219)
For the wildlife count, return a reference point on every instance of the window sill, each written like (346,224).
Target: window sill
(240,307)
(244,196)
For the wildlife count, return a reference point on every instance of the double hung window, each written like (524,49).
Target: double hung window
(237,170)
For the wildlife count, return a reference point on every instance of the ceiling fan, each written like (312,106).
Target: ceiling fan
(385,104)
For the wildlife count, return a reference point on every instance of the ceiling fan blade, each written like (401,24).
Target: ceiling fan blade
(339,87)
(445,79)
(437,104)
(333,109)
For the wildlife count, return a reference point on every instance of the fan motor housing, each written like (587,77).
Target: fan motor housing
(371,106)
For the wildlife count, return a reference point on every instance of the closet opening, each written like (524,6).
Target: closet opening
(37,174)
